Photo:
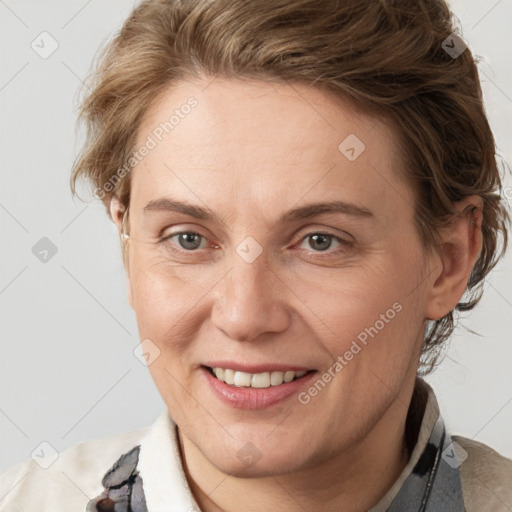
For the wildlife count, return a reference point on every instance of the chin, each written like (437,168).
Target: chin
(270,465)
(253,456)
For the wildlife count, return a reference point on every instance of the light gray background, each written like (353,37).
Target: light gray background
(68,373)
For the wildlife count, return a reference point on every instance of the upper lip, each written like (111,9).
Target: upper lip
(257,368)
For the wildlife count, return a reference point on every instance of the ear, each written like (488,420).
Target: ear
(461,243)
(117,211)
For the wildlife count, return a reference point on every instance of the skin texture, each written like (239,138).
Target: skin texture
(250,151)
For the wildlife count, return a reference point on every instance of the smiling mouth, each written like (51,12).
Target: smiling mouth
(256,380)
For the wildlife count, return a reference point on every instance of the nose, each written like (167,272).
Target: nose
(250,301)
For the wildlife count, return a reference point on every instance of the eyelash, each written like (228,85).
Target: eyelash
(343,243)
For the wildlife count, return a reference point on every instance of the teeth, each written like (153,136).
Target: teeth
(255,380)
(242,379)
(288,376)
(229,376)
(260,380)
(219,373)
(276,378)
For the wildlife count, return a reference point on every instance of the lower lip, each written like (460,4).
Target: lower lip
(254,398)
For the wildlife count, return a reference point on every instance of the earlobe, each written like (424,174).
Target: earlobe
(461,244)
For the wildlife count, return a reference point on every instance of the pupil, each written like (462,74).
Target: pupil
(321,246)
(188,238)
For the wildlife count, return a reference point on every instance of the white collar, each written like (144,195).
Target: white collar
(165,484)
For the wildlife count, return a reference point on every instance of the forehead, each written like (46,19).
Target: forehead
(254,139)
(295,112)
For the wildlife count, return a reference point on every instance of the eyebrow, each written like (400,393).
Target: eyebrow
(301,213)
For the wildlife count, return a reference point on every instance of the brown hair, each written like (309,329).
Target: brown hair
(385,56)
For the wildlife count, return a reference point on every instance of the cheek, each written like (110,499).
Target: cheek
(378,307)
(170,305)
(154,304)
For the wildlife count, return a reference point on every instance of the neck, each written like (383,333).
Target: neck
(353,480)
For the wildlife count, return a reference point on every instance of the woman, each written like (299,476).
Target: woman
(306,192)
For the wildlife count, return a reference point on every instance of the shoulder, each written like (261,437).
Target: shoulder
(73,478)
(486,477)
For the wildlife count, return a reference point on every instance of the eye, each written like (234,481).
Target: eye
(186,240)
(190,241)
(321,242)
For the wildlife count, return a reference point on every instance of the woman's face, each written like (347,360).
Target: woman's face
(264,282)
